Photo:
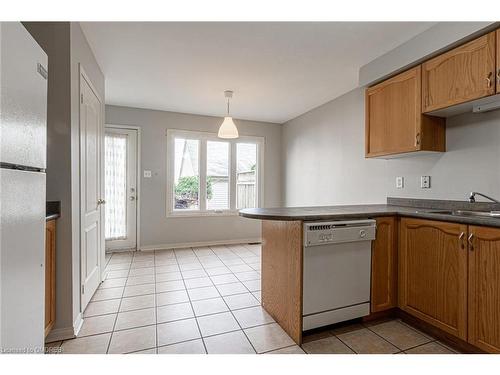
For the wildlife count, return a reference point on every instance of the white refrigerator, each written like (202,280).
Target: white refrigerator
(23,148)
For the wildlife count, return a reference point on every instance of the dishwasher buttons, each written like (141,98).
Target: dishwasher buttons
(362,233)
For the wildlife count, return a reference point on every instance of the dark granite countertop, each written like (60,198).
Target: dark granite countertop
(52,210)
(418,208)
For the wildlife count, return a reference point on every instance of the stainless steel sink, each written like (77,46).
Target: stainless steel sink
(495,214)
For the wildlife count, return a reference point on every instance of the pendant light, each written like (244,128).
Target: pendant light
(228,129)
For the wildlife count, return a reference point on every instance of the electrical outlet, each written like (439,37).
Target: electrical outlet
(400,182)
(147,174)
(425,182)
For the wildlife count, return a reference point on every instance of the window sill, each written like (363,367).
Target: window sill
(177,214)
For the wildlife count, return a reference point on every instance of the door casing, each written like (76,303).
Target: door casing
(85,295)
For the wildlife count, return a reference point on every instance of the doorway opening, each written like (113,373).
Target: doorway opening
(121,188)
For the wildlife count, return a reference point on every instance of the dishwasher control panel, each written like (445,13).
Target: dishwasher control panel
(321,233)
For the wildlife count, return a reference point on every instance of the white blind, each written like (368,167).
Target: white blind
(116,186)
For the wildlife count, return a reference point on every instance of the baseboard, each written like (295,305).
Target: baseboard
(199,244)
(77,325)
(59,334)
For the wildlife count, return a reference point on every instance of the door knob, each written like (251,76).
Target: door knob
(132,198)
(101,201)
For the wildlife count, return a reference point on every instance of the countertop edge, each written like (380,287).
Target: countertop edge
(418,213)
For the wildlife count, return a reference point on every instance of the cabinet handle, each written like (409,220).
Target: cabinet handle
(470,239)
(488,79)
(498,76)
(460,237)
(417,139)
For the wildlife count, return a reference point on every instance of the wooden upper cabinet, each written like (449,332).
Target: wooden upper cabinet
(394,123)
(484,288)
(498,61)
(433,273)
(463,74)
(384,265)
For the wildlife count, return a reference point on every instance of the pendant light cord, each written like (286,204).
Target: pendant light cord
(228,106)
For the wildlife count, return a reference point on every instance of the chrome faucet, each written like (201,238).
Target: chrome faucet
(472,197)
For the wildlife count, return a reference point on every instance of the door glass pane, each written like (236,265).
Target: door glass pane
(246,175)
(187,176)
(217,175)
(115,180)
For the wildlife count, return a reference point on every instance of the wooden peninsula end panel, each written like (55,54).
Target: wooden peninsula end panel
(282,274)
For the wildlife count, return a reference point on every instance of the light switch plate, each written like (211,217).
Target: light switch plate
(147,174)
(399,182)
(425,182)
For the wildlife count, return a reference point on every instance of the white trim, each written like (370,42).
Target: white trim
(102,258)
(203,137)
(181,245)
(59,334)
(77,325)
(65,333)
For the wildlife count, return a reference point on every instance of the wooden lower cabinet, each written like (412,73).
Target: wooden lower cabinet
(484,288)
(433,273)
(50,275)
(384,276)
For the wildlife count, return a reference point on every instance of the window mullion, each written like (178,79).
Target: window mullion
(232,176)
(203,174)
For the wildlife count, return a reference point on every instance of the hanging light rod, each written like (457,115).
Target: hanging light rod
(228,129)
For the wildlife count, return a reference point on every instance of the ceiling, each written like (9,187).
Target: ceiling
(277,70)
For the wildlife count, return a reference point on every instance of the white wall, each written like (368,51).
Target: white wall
(156,229)
(323,159)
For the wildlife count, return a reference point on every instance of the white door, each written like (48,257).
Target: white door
(91,135)
(120,160)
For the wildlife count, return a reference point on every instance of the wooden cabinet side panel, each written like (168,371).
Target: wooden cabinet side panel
(282,269)
(433,273)
(484,289)
(50,275)
(384,275)
(498,61)
(459,75)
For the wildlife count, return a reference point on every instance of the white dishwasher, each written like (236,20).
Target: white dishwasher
(337,271)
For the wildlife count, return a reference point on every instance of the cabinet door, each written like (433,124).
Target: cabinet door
(393,110)
(460,75)
(498,61)
(484,288)
(384,265)
(433,273)
(50,275)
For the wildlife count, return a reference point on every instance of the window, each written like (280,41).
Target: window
(207,175)
(115,170)
(187,176)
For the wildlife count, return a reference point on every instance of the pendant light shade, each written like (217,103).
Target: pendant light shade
(228,128)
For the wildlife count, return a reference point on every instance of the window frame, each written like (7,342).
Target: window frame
(203,137)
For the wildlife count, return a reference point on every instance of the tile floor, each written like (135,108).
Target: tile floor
(207,300)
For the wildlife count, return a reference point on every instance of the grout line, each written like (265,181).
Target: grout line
(155,307)
(192,309)
(116,317)
(343,342)
(383,338)
(237,322)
